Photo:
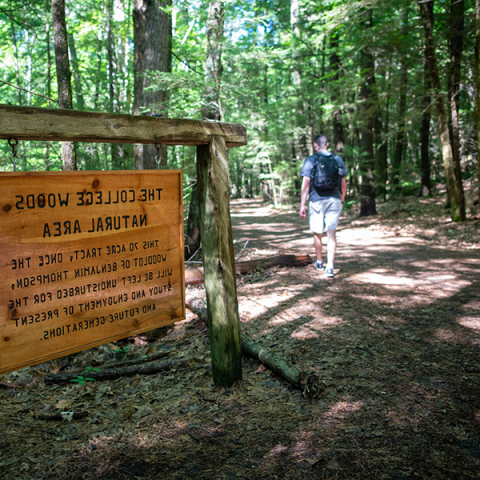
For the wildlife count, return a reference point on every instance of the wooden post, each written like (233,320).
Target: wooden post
(218,260)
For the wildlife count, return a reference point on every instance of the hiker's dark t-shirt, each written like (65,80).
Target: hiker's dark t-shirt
(317,195)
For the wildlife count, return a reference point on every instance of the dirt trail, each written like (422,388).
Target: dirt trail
(394,336)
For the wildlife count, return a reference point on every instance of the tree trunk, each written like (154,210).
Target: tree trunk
(477,82)
(457,14)
(157,58)
(402,109)
(193,240)
(426,185)
(213,64)
(15,54)
(69,156)
(219,263)
(367,205)
(76,73)
(448,163)
(381,153)
(338,133)
(116,149)
(138,69)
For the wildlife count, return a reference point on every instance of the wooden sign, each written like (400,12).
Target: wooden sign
(87,258)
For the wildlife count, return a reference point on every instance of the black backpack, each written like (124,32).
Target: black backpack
(325,172)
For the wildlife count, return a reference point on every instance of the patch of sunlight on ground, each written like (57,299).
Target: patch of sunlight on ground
(341,408)
(450,283)
(470,322)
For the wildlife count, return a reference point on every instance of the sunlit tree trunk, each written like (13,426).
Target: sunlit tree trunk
(367,203)
(447,154)
(213,62)
(338,133)
(457,13)
(69,156)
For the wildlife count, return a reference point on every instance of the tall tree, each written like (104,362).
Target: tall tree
(76,73)
(402,106)
(212,108)
(426,187)
(448,162)
(157,58)
(69,155)
(477,82)
(457,14)
(368,107)
(138,68)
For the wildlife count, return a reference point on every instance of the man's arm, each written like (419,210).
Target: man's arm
(343,188)
(304,194)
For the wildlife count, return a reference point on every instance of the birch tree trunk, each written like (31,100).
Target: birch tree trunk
(448,163)
(69,156)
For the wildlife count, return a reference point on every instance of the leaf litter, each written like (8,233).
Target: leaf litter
(394,337)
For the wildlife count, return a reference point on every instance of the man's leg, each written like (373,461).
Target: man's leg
(317,243)
(331,247)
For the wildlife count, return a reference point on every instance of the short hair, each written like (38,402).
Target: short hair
(320,140)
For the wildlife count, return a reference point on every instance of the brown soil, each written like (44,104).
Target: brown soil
(394,336)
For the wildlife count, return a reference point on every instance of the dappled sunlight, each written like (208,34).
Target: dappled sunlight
(470,322)
(304,333)
(342,409)
(278,449)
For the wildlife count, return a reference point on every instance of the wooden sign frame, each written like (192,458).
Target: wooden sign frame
(87,258)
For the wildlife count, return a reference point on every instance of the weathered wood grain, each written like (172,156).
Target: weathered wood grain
(87,258)
(219,264)
(49,124)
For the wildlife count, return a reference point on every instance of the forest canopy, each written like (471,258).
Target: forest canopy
(394,86)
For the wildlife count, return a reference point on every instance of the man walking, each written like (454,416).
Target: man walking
(324,178)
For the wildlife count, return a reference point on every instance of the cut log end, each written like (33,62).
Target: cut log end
(311,385)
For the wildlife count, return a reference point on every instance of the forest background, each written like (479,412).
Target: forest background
(394,85)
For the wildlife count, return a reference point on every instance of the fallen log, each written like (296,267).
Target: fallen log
(194,276)
(114,373)
(308,382)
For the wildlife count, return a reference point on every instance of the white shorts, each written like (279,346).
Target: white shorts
(324,214)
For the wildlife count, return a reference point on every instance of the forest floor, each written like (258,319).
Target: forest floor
(395,337)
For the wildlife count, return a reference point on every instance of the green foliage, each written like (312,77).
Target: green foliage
(284,83)
(81,379)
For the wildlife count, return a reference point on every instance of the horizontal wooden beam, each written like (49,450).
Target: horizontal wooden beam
(54,124)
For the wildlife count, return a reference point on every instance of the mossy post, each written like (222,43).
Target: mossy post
(219,263)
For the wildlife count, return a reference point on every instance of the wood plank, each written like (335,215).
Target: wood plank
(219,262)
(53,124)
(87,258)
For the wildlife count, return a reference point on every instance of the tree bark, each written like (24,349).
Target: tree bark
(367,205)
(213,64)
(457,14)
(335,63)
(138,69)
(76,73)
(116,150)
(219,263)
(157,58)
(477,82)
(402,109)
(426,186)
(448,163)
(69,155)
(193,238)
